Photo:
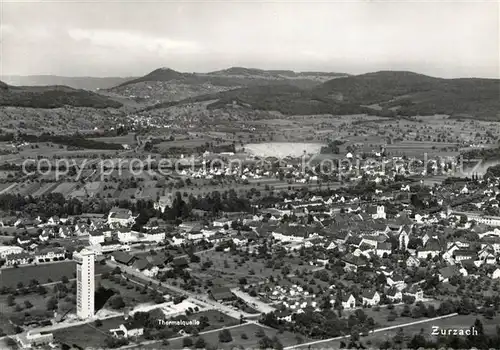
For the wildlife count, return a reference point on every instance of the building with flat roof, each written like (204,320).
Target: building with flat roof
(32,339)
(85,283)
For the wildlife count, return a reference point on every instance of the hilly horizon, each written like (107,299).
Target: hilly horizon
(395,93)
(85,82)
(165,85)
(53,96)
(387,93)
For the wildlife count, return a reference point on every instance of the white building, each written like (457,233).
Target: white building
(349,302)
(8,249)
(164,202)
(480,218)
(85,283)
(32,339)
(96,237)
(120,216)
(496,274)
(154,236)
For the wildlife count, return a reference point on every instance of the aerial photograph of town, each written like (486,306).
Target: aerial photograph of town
(249,175)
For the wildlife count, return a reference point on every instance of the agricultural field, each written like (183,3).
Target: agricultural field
(27,188)
(123,139)
(65,188)
(44,189)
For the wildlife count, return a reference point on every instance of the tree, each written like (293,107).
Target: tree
(260,333)
(10,300)
(52,304)
(399,338)
(392,316)
(277,344)
(225,336)
(187,342)
(200,343)
(28,304)
(117,302)
(478,326)
(265,343)
(64,279)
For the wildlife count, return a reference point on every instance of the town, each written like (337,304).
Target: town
(232,175)
(265,265)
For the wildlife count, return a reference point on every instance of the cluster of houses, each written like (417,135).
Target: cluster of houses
(40,256)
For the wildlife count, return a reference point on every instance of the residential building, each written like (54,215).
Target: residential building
(164,202)
(371,297)
(85,283)
(394,294)
(121,217)
(96,237)
(9,249)
(348,302)
(22,258)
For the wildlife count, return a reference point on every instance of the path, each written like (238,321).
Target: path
(7,189)
(298,346)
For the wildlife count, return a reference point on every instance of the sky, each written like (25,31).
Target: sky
(131,38)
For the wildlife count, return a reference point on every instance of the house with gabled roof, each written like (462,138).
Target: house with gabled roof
(412,261)
(376,212)
(487,255)
(21,258)
(120,217)
(414,291)
(290,233)
(448,272)
(348,301)
(396,280)
(354,241)
(53,221)
(221,294)
(370,297)
(404,237)
(384,248)
(432,248)
(180,262)
(352,262)
(394,294)
(460,255)
(131,328)
(122,258)
(496,274)
(365,250)
(143,265)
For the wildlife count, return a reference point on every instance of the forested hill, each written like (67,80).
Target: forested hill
(52,97)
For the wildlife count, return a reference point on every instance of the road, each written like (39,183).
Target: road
(232,312)
(299,346)
(67,324)
(7,189)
